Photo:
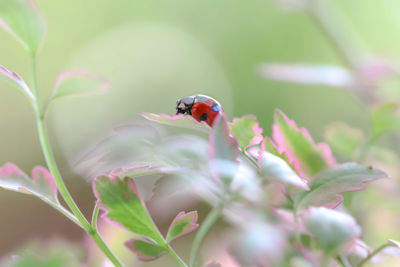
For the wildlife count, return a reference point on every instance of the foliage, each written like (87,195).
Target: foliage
(279,195)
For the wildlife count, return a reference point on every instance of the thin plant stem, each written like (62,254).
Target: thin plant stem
(250,159)
(163,243)
(52,165)
(297,236)
(175,256)
(343,261)
(95,216)
(208,222)
(373,253)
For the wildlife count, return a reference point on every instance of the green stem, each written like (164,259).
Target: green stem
(95,215)
(250,159)
(343,261)
(52,165)
(211,218)
(297,236)
(373,253)
(175,256)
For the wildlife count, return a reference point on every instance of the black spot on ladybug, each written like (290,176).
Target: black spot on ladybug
(215,108)
(204,117)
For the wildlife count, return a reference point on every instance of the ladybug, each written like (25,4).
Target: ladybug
(200,107)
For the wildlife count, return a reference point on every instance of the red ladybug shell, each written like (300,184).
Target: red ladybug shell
(201,107)
(205,109)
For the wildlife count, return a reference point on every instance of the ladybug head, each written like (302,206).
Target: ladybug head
(184,105)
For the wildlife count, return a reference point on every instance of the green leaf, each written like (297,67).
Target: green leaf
(385,118)
(297,144)
(145,250)
(326,187)
(183,224)
(120,199)
(22,18)
(246,130)
(15,80)
(330,228)
(79,83)
(179,120)
(343,138)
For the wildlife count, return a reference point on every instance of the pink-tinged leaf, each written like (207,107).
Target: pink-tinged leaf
(308,74)
(275,168)
(332,229)
(130,147)
(297,144)
(246,184)
(120,200)
(79,83)
(223,149)
(124,146)
(144,169)
(213,264)
(284,171)
(246,130)
(184,223)
(147,176)
(23,19)
(219,255)
(145,250)
(356,252)
(269,146)
(288,222)
(375,70)
(14,79)
(258,243)
(180,120)
(325,188)
(40,185)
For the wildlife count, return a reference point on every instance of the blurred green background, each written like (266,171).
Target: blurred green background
(157,51)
